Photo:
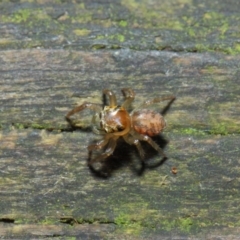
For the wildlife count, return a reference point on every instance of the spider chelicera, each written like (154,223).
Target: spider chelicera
(115,121)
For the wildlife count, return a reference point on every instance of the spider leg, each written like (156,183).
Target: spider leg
(131,141)
(129,95)
(149,141)
(112,142)
(98,145)
(95,128)
(156,100)
(93,106)
(112,97)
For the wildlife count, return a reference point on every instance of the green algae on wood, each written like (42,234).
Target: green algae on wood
(181,26)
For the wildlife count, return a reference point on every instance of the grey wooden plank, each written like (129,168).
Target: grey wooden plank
(176,47)
(45,178)
(175,25)
(40,86)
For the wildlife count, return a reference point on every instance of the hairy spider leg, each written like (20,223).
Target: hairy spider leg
(131,141)
(112,97)
(129,95)
(112,143)
(149,141)
(100,144)
(155,100)
(93,106)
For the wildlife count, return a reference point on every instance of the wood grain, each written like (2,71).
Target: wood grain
(54,56)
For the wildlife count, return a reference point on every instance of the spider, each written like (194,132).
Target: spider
(115,122)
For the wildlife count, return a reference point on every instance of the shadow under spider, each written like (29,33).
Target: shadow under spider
(127,155)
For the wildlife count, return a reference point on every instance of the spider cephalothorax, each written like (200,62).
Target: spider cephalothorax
(115,121)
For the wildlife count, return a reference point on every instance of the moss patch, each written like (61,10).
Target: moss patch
(81,32)
(190,131)
(172,25)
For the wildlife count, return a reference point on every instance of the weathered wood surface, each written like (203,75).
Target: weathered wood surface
(46,188)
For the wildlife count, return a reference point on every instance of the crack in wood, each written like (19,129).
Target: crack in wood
(71,221)
(7,220)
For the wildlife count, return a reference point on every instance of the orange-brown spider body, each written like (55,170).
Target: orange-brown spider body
(148,122)
(115,121)
(143,121)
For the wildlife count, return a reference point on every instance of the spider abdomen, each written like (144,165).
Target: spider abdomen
(148,122)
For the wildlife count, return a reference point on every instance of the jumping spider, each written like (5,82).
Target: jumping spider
(115,122)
